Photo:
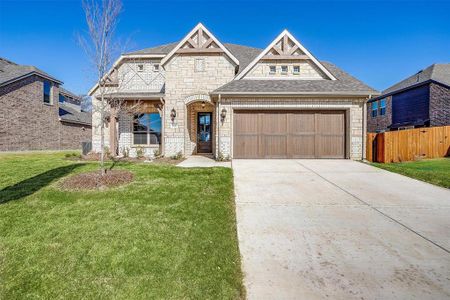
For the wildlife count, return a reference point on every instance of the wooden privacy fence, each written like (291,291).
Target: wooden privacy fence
(407,145)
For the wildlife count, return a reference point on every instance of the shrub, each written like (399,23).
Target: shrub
(140,152)
(177,156)
(157,153)
(125,152)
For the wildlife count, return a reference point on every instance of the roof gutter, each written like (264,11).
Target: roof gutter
(299,94)
(31,74)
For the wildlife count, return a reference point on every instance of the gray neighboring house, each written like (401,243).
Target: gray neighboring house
(36,113)
(421,100)
(202,96)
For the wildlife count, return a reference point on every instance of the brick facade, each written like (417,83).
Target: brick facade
(379,123)
(439,105)
(27,123)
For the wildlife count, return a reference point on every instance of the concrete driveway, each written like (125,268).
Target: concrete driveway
(339,229)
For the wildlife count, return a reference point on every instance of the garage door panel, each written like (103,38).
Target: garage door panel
(289,134)
(301,146)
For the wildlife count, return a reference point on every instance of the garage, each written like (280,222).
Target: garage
(289,134)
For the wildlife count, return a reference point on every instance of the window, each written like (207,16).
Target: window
(272,69)
(62,99)
(296,70)
(140,68)
(382,107)
(156,68)
(374,109)
(199,65)
(47,92)
(284,69)
(147,129)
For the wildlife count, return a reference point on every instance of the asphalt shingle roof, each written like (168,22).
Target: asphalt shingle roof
(71,115)
(436,72)
(9,72)
(345,84)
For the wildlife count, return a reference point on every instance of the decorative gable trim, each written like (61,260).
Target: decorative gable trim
(287,47)
(199,40)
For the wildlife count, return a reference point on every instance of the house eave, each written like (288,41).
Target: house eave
(28,75)
(297,94)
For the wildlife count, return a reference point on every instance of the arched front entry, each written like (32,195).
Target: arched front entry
(201,127)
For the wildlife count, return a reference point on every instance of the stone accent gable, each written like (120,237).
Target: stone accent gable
(133,79)
(183,79)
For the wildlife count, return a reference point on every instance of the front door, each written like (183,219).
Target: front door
(204,132)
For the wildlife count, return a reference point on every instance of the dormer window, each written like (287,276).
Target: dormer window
(272,70)
(140,68)
(156,68)
(284,70)
(296,70)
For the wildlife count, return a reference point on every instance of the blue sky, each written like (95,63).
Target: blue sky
(378,42)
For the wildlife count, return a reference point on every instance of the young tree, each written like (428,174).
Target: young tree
(101,18)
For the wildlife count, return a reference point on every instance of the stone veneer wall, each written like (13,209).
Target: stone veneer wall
(379,123)
(307,70)
(27,123)
(439,105)
(183,81)
(353,105)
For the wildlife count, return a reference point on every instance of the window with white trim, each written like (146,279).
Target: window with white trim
(272,70)
(140,68)
(156,68)
(147,129)
(296,70)
(284,70)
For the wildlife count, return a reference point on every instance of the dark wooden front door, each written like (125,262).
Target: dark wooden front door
(204,132)
(289,134)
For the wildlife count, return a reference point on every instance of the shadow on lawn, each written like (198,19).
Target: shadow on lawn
(34,184)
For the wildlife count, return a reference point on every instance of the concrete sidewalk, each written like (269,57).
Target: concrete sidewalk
(339,229)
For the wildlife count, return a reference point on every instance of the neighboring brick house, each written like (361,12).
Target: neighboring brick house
(36,113)
(200,96)
(421,100)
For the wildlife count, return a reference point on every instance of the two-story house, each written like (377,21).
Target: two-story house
(421,100)
(36,113)
(202,96)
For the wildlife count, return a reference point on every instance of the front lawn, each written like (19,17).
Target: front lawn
(169,234)
(435,171)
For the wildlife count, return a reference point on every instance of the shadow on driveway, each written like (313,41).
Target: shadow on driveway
(31,185)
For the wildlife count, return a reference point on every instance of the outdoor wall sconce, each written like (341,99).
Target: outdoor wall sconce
(223,114)
(173,114)
(203,104)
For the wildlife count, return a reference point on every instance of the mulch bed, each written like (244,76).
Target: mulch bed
(93,180)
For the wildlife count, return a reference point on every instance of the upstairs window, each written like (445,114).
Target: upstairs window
(62,99)
(47,92)
(284,70)
(272,70)
(140,68)
(374,109)
(156,68)
(147,129)
(296,70)
(382,107)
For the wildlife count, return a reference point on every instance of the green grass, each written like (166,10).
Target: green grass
(435,171)
(169,234)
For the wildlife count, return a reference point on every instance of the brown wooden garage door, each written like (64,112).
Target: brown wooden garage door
(289,134)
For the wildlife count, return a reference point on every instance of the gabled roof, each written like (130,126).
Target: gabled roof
(297,47)
(437,72)
(344,84)
(71,115)
(162,49)
(199,30)
(68,93)
(11,72)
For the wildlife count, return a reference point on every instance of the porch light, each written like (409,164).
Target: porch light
(173,114)
(223,114)
(203,104)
